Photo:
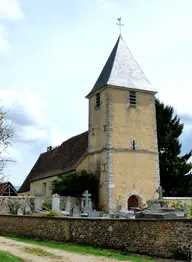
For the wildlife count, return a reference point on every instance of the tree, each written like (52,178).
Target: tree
(74,184)
(6,134)
(173,167)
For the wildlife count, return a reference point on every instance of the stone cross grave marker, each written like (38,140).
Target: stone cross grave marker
(56,202)
(160,191)
(88,204)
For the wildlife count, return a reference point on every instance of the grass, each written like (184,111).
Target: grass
(7,257)
(81,249)
(38,252)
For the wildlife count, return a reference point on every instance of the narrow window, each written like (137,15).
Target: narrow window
(104,128)
(98,101)
(134,145)
(104,167)
(132,98)
(93,131)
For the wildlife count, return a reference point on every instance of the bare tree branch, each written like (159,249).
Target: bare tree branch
(6,134)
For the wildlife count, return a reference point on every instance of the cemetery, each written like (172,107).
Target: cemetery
(156,229)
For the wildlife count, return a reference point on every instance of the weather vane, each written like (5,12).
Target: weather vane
(119,24)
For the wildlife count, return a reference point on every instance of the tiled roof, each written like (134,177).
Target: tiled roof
(59,160)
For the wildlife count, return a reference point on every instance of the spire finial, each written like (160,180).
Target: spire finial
(119,24)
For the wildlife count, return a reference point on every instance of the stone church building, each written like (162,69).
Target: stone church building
(121,142)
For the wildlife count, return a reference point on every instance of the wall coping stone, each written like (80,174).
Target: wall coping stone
(100,218)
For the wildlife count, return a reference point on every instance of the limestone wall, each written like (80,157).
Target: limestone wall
(183,200)
(163,238)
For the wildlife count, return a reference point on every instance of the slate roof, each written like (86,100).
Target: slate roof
(122,70)
(62,159)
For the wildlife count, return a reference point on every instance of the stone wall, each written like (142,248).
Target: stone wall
(22,201)
(183,200)
(156,238)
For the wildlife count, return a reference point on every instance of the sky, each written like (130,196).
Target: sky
(51,53)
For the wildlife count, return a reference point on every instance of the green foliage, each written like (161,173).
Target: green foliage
(173,167)
(46,205)
(7,257)
(85,249)
(50,213)
(74,184)
(177,205)
(13,206)
(188,214)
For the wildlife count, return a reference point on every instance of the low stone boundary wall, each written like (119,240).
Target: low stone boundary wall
(184,200)
(20,201)
(161,238)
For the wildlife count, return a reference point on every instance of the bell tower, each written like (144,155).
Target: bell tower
(122,132)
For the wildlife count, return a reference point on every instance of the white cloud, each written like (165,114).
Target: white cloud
(10,10)
(4,42)
(26,111)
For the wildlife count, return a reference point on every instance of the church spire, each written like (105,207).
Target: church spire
(122,70)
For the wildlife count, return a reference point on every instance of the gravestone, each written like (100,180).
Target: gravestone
(76,211)
(38,201)
(56,202)
(20,212)
(94,214)
(88,204)
(68,205)
(27,210)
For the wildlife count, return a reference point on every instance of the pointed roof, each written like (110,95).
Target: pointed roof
(122,70)
(62,159)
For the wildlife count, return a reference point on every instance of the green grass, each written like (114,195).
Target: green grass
(39,252)
(85,250)
(7,257)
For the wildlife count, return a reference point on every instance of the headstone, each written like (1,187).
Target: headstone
(94,214)
(87,209)
(68,205)
(88,204)
(76,211)
(56,202)
(27,210)
(86,195)
(20,212)
(38,202)
(160,191)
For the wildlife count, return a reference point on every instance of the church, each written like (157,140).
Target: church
(121,142)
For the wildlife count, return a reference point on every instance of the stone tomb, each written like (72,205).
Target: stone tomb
(38,201)
(56,202)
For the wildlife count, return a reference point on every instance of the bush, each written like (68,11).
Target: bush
(46,205)
(13,206)
(188,214)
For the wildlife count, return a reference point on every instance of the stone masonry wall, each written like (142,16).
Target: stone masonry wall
(22,200)
(156,238)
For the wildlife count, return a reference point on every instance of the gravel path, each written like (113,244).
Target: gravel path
(18,249)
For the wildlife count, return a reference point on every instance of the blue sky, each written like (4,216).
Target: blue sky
(51,53)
